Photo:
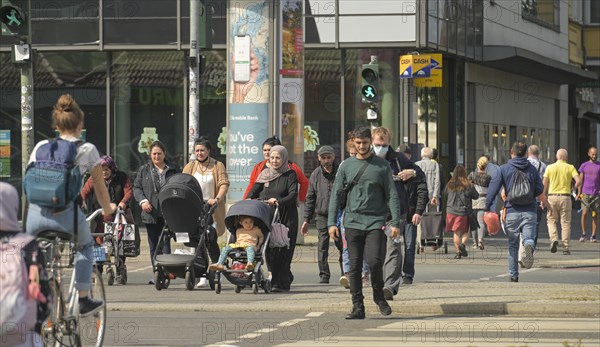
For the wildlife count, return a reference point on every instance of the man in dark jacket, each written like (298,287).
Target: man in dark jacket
(317,203)
(411,185)
(519,218)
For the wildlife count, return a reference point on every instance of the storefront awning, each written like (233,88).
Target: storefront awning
(526,63)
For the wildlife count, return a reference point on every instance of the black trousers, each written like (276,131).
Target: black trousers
(374,243)
(323,255)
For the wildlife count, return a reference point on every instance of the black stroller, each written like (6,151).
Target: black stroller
(186,217)
(241,277)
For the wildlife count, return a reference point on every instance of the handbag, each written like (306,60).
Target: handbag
(279,232)
(348,187)
(127,234)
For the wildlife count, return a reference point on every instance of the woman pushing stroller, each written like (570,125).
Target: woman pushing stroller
(248,236)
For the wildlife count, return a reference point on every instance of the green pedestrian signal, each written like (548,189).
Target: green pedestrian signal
(13,19)
(370,83)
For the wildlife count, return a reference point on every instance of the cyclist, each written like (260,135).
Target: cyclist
(67,118)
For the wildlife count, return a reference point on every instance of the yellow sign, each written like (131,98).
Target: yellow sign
(421,66)
(435,80)
(406,66)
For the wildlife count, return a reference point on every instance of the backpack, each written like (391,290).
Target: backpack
(18,299)
(53,180)
(520,193)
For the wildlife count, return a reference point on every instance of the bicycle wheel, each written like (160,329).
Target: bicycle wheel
(52,330)
(93,327)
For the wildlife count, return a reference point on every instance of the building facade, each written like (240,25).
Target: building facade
(512,69)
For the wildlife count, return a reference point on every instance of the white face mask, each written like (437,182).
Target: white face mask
(380,151)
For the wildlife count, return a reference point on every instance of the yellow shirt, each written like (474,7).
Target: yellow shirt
(245,238)
(559,177)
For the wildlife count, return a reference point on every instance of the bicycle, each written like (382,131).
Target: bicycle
(64,326)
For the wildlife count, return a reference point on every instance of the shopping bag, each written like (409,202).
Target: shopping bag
(279,233)
(432,225)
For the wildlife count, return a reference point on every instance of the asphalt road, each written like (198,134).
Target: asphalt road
(323,329)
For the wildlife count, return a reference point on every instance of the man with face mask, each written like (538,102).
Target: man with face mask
(317,202)
(411,185)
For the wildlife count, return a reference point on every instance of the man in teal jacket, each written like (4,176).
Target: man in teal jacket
(365,215)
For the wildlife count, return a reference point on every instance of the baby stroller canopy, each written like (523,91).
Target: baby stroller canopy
(253,208)
(182,204)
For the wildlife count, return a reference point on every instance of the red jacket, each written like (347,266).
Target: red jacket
(302,180)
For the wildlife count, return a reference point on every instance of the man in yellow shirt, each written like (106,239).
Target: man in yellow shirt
(557,186)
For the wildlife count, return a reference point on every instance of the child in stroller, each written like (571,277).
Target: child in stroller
(248,236)
(252,274)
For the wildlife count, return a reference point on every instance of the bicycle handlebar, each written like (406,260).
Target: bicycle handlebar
(93,215)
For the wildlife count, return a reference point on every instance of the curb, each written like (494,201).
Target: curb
(400,309)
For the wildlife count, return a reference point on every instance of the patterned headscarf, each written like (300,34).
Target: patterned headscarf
(109,162)
(268,174)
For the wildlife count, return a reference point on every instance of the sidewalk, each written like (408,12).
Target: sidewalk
(476,297)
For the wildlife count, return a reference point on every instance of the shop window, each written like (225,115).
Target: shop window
(65,22)
(486,138)
(147,104)
(135,22)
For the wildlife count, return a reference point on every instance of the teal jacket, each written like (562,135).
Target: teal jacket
(369,199)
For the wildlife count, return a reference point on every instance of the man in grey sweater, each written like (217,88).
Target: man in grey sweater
(368,203)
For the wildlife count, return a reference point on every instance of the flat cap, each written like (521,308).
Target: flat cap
(326,150)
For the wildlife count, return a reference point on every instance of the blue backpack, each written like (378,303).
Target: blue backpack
(53,180)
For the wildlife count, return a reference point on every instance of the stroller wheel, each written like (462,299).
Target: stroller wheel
(110,274)
(238,289)
(190,280)
(255,288)
(211,279)
(158,280)
(166,283)
(445,247)
(218,287)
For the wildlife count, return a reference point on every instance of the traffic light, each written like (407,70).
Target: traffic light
(370,83)
(13,19)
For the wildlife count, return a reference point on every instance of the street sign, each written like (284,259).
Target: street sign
(421,66)
(406,69)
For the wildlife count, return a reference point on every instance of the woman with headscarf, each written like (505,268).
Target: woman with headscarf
(120,191)
(277,185)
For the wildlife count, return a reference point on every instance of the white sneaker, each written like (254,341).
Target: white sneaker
(202,283)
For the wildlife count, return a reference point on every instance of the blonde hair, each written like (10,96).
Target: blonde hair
(382,132)
(67,115)
(482,163)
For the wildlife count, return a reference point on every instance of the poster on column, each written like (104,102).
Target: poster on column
(292,130)
(248,51)
(4,153)
(248,128)
(292,42)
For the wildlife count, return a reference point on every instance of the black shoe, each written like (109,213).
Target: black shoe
(384,308)
(407,280)
(463,250)
(324,280)
(553,247)
(88,306)
(388,294)
(514,279)
(566,252)
(358,312)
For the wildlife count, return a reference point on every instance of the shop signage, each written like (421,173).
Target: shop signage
(415,66)
(435,79)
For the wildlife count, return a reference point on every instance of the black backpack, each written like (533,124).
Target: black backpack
(520,193)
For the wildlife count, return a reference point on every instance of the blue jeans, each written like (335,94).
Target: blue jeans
(41,218)
(523,223)
(250,254)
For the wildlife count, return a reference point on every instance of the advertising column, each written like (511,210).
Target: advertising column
(291,78)
(248,83)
